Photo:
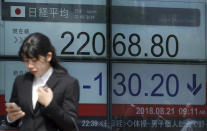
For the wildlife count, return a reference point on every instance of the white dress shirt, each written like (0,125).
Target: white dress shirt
(39,81)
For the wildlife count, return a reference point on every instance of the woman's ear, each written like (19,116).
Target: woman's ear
(49,56)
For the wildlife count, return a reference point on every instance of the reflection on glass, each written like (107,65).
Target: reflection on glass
(158,96)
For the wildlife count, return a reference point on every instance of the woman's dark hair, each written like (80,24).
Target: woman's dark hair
(37,44)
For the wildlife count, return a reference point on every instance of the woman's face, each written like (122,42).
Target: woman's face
(39,66)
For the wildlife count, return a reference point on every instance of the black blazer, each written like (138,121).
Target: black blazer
(61,113)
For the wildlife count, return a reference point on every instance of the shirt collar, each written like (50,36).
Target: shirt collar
(45,76)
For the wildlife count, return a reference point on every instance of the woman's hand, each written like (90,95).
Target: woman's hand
(45,96)
(14,115)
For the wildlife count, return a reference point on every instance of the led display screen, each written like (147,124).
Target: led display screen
(158,29)
(141,64)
